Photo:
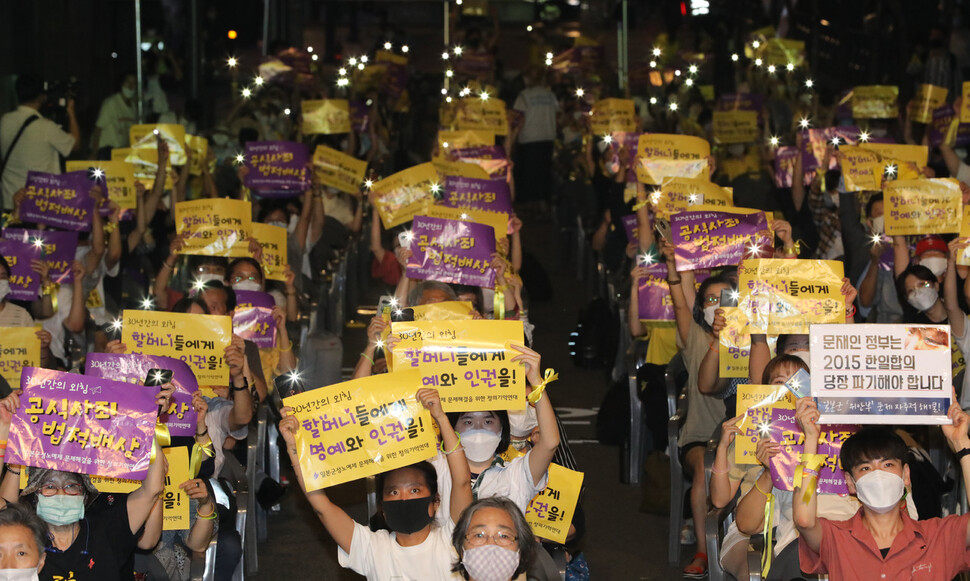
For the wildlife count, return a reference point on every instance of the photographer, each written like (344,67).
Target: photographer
(28,141)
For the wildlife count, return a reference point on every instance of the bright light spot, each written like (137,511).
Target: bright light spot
(692,199)
(445,145)
(774,141)
(790,67)
(114,55)
(157,377)
(314,57)
(804,123)
(342,72)
(116,325)
(549,55)
(447,99)
(891,170)
(689,82)
(368,184)
(398,312)
(444,56)
(756,44)
(457,51)
(286,111)
(653,100)
(735,57)
(757,62)
(449,73)
(580,92)
(379,343)
(147,303)
(607,139)
(484,95)
(464,216)
(387,46)
(764,428)
(309,49)
(876,239)
(771,69)
(692,69)
(198,285)
(673,106)
(435,188)
(240,158)
(39,242)
(657,51)
(343,82)
(360,66)
(864,136)
(444,91)
(653,64)
(809,83)
(677,73)
(293,376)
(836,141)
(409,236)
(246,92)
(753,249)
(363,59)
(393,301)
(231,61)
(548,62)
(352,61)
(735,295)
(405,48)
(258,81)
(528,28)
(98,173)
(232,34)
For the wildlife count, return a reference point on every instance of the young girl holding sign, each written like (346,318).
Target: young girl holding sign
(417,548)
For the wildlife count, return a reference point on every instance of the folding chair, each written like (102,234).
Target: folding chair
(675,380)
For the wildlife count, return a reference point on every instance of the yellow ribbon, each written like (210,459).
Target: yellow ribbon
(810,462)
(640,204)
(163,437)
(198,456)
(768,533)
(498,304)
(550,376)
(51,289)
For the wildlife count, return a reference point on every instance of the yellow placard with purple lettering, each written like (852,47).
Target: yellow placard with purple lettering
(875,102)
(338,170)
(468,362)
(928,98)
(19,348)
(965,103)
(862,169)
(755,403)
(480,114)
(928,206)
(119,179)
(463,138)
(963,259)
(216,226)
(144,138)
(460,169)
(198,340)
(551,511)
(272,239)
(175,501)
(199,148)
(326,116)
(499,222)
(787,296)
(359,428)
(660,156)
(613,115)
(735,126)
(403,195)
(734,347)
(679,194)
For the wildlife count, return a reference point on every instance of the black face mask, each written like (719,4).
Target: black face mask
(407,516)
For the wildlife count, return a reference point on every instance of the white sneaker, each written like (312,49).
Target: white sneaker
(687,536)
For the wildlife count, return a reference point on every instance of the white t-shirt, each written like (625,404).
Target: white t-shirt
(378,556)
(217,422)
(39,148)
(513,481)
(540,107)
(114,120)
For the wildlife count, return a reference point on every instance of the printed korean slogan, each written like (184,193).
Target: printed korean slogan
(468,362)
(488,195)
(252,318)
(77,423)
(277,168)
(735,126)
(403,195)
(360,428)
(707,239)
(498,222)
(875,102)
(198,148)
(24,282)
(946,127)
(175,501)
(916,155)
(678,194)
(482,114)
(784,430)
(452,251)
(57,249)
(119,179)
(338,170)
(663,155)
(740,102)
(19,348)
(62,201)
(133,368)
(551,511)
(653,295)
(786,296)
(327,116)
(272,239)
(927,206)
(755,403)
(862,169)
(464,138)
(216,226)
(928,98)
(463,169)
(734,347)
(881,374)
(198,340)
(144,140)
(612,115)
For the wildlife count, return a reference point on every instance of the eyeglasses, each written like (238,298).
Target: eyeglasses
(72,489)
(238,278)
(919,285)
(712,300)
(501,539)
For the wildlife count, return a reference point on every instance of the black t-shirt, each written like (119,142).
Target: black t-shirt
(103,546)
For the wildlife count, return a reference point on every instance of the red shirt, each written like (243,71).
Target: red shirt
(923,550)
(388,270)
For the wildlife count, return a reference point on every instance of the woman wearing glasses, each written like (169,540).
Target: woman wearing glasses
(493,541)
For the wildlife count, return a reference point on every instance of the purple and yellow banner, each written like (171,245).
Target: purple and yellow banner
(946,128)
(785,158)
(452,251)
(277,167)
(709,239)
(24,282)
(198,340)
(653,295)
(253,318)
(57,249)
(62,201)
(487,195)
(631,227)
(88,425)
(784,430)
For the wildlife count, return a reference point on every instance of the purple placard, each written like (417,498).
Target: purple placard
(819,139)
(57,250)
(940,125)
(631,141)
(653,295)
(711,239)
(277,167)
(61,201)
(474,64)
(24,282)
(359,116)
(133,368)
(631,227)
(785,431)
(452,251)
(83,424)
(481,152)
(253,318)
(785,158)
(488,195)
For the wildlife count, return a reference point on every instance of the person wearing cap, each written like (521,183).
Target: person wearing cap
(931,252)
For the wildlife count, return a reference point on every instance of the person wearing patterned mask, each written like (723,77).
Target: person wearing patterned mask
(493,541)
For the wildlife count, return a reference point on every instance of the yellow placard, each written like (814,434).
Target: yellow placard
(175,502)
(401,196)
(144,166)
(862,169)
(965,103)
(327,116)
(786,296)
(462,138)
(928,98)
(145,138)
(875,102)
(915,154)
(660,156)
(458,169)
(199,146)
(198,340)
(551,511)
(119,179)
(217,226)
(735,344)
(108,485)
(360,428)
(735,126)
(468,362)
(498,221)
(612,116)
(782,52)
(338,170)
(680,194)
(272,239)
(19,348)
(963,259)
(443,311)
(756,403)
(927,206)
(482,115)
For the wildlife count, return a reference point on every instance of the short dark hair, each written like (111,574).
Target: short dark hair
(917,270)
(523,532)
(246,260)
(28,87)
(503,420)
(778,361)
(195,261)
(698,312)
(219,285)
(872,443)
(185,303)
(5,265)
(877,197)
(424,467)
(17,514)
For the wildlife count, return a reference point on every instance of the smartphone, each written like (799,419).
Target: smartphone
(663,229)
(289,384)
(385,305)
(403,241)
(112,330)
(402,315)
(729,298)
(800,384)
(157,377)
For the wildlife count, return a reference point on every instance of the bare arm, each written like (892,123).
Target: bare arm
(723,487)
(682,313)
(709,381)
(242,401)
(541,455)
(461,477)
(74,322)
(804,498)
(900,255)
(114,238)
(153,527)
(141,501)
(950,158)
(954,313)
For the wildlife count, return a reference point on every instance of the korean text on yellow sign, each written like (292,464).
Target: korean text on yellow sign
(145,138)
(326,116)
(119,179)
(482,115)
(464,138)
(403,195)
(734,349)
(338,170)
(755,402)
(875,102)
(862,169)
(272,240)
(613,115)
(928,98)
(144,166)
(928,206)
(787,296)
(175,502)
(216,226)
(198,340)
(198,148)
(551,511)
(360,428)
(736,126)
(677,194)
(660,156)
(915,154)
(468,362)
(19,348)
(462,169)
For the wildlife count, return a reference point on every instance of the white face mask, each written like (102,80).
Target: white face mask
(709,315)
(277,223)
(923,298)
(247,285)
(291,227)
(880,491)
(208,277)
(480,445)
(936,264)
(19,574)
(878,225)
(4,289)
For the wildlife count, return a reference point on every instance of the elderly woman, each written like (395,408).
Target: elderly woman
(22,539)
(493,541)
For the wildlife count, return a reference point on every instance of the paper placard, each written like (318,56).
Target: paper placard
(119,179)
(928,98)
(217,226)
(479,114)
(144,139)
(735,126)
(462,169)
(175,501)
(706,239)
(59,200)
(252,319)
(665,155)
(498,222)
(653,295)
(915,154)
(613,115)
(277,167)
(452,251)
(144,166)
(862,169)
(965,103)
(198,340)
(755,403)
(551,511)
(679,194)
(464,138)
(272,239)
(401,196)
(784,430)
(19,348)
(734,347)
(24,282)
(481,194)
(875,102)
(881,374)
(199,149)
(786,296)
(338,170)
(927,206)
(326,116)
